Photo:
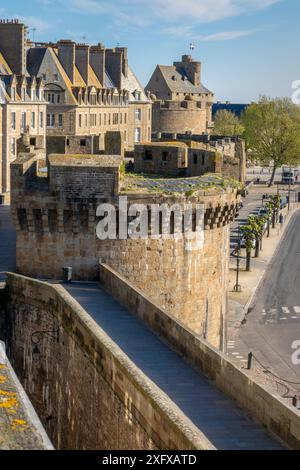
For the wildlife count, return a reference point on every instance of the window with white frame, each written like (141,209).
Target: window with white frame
(23,121)
(13,147)
(137,134)
(50,120)
(138,114)
(13,120)
(33,119)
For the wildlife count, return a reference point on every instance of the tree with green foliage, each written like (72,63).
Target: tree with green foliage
(226,123)
(257,225)
(272,132)
(248,235)
(274,207)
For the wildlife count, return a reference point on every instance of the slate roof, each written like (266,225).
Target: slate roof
(34,59)
(132,84)
(178,81)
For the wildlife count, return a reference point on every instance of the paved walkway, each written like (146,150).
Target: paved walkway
(7,243)
(223,423)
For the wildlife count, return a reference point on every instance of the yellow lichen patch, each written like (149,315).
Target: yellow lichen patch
(9,403)
(19,425)
(2,366)
(7,394)
(2,379)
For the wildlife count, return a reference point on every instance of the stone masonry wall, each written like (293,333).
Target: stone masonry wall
(58,228)
(239,384)
(178,119)
(87,393)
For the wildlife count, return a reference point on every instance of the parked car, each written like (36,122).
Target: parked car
(283,202)
(243,243)
(263,212)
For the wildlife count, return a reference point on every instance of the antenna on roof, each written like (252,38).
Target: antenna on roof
(33,33)
(192,47)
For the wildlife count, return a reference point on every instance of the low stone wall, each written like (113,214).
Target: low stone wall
(270,410)
(86,391)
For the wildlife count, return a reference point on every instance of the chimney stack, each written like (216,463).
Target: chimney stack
(66,55)
(12,45)
(82,60)
(114,65)
(97,62)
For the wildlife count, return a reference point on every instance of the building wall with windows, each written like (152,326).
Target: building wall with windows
(90,91)
(22,111)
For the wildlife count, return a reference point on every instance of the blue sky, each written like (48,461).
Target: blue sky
(247,47)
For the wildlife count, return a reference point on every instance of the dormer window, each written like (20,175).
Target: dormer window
(93,99)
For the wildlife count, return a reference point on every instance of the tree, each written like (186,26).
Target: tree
(257,225)
(274,206)
(227,123)
(249,238)
(272,132)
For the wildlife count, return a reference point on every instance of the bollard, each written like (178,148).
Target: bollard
(250,357)
(295,401)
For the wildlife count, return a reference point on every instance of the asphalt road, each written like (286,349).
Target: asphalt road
(274,323)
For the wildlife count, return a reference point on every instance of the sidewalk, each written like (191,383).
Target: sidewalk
(239,302)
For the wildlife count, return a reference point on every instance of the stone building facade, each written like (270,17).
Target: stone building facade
(22,104)
(180,102)
(188,157)
(90,90)
(56,220)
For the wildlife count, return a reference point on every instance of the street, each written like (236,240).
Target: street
(273,323)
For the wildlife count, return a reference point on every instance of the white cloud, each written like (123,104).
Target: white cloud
(33,22)
(201,11)
(226,36)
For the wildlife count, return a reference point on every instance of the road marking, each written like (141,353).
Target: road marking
(297,309)
(285,310)
(235,354)
(283,318)
(230,347)
(295,318)
(240,357)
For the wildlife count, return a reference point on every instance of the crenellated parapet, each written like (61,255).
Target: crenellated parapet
(55,214)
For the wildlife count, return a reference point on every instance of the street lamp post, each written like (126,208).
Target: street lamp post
(289,196)
(237,287)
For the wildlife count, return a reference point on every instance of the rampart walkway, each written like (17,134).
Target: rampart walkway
(222,422)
